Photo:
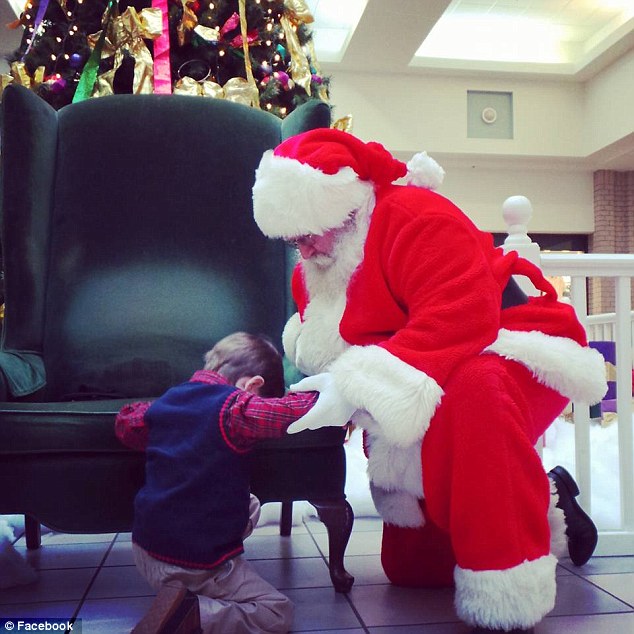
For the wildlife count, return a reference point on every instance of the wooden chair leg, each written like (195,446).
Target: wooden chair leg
(338,517)
(33,532)
(286,518)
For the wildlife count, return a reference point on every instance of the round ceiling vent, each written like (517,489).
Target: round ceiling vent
(489,115)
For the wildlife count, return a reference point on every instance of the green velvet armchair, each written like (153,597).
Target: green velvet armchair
(129,248)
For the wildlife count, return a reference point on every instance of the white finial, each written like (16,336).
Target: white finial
(517,212)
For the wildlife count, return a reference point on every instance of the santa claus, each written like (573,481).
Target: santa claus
(405,304)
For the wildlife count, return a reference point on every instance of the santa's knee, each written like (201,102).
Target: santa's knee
(417,557)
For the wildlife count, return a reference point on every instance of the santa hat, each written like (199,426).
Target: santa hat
(313,181)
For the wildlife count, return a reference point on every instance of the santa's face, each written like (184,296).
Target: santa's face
(321,249)
(317,247)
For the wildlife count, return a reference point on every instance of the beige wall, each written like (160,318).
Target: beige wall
(542,162)
(609,106)
(562,129)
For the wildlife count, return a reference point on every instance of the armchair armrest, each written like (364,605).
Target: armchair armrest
(21,374)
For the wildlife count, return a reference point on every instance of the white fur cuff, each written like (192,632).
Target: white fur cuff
(506,599)
(400,398)
(575,371)
(397,507)
(393,467)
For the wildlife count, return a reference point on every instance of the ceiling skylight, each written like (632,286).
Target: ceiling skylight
(335,22)
(522,31)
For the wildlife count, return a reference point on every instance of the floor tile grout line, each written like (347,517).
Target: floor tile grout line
(93,579)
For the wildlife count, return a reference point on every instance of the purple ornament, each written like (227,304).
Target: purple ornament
(75,60)
(282,77)
(317,79)
(58,86)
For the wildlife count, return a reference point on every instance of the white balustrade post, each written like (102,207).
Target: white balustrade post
(517,212)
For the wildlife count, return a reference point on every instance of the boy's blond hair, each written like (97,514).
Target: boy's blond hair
(243,354)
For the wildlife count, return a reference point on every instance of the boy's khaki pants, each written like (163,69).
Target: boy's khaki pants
(232,597)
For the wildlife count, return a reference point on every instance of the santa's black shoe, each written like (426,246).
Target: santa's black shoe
(580,529)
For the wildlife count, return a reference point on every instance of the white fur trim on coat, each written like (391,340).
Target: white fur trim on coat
(400,398)
(292,199)
(506,599)
(576,372)
(289,336)
(394,467)
(397,507)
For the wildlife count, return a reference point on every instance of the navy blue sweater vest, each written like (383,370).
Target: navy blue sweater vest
(194,506)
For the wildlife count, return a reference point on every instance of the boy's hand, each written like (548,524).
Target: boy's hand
(331,408)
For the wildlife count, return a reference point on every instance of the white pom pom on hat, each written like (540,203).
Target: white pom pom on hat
(313,181)
(424,171)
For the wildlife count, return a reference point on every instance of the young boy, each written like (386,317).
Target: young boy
(195,509)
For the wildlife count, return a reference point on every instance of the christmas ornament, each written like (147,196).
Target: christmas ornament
(75,60)
(196,69)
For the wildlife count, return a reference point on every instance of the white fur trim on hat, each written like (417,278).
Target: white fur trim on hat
(576,372)
(292,199)
(400,398)
(518,597)
(424,171)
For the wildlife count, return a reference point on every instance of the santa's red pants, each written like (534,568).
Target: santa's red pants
(486,491)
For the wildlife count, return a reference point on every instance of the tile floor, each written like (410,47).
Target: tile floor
(93,578)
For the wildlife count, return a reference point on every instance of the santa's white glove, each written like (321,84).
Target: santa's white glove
(331,408)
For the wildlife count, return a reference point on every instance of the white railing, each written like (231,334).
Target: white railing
(602,327)
(619,538)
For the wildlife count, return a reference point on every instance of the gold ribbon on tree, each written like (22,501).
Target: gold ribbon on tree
(296,12)
(251,90)
(126,33)
(237,89)
(188,22)
(5,80)
(20,75)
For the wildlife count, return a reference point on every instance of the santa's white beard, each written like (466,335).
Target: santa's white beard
(318,342)
(328,275)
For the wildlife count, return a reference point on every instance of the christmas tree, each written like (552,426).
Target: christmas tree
(257,52)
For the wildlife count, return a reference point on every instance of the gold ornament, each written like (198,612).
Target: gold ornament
(126,33)
(344,124)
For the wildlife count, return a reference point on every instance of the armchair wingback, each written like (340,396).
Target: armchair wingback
(129,248)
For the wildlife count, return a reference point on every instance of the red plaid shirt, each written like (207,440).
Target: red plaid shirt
(245,418)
